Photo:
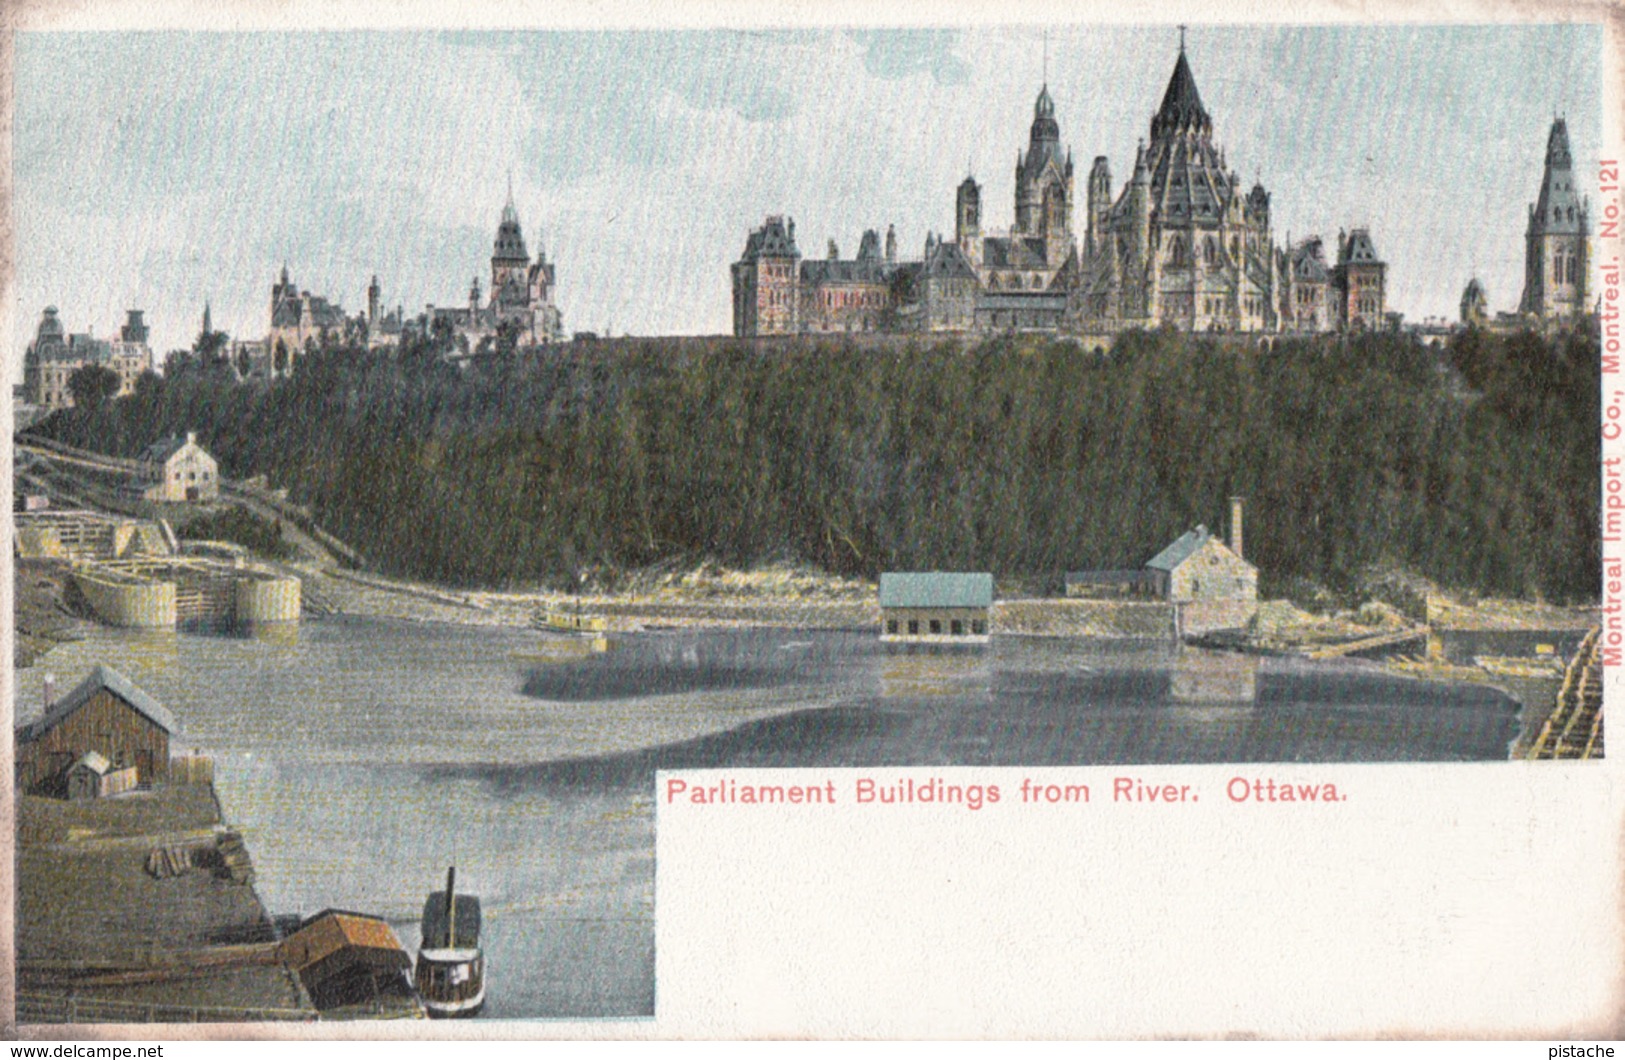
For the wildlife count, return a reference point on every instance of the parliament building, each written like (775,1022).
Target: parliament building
(1180,244)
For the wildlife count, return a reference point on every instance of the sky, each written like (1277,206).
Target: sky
(159,170)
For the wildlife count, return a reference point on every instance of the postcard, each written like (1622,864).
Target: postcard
(958,522)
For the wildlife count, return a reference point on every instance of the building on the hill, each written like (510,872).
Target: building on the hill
(1475,305)
(1304,286)
(519,305)
(53,357)
(1557,255)
(766,288)
(106,714)
(300,320)
(384,328)
(1181,245)
(1359,283)
(935,607)
(177,469)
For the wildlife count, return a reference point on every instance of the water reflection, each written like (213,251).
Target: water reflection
(1198,676)
(361,756)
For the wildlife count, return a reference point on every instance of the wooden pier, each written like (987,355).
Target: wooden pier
(1354,647)
(1574,728)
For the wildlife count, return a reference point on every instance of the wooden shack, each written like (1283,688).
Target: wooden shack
(935,607)
(93,777)
(349,959)
(106,714)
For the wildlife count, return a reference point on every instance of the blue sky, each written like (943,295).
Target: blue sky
(160,169)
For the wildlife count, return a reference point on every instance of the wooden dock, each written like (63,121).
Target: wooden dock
(1354,647)
(1574,728)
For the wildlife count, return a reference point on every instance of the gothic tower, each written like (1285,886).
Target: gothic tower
(509,260)
(1556,261)
(1044,183)
(1100,205)
(968,220)
(373,291)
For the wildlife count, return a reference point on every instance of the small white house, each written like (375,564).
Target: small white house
(179,469)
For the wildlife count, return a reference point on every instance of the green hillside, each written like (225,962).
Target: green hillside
(1476,466)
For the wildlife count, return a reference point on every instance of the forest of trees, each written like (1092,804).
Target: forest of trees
(1476,465)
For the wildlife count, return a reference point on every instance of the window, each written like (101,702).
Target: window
(936,625)
(957,627)
(978,626)
(913,626)
(891,625)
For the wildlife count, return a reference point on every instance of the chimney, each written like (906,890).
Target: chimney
(191,437)
(1235,525)
(451,907)
(50,690)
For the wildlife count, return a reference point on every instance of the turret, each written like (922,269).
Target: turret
(1557,255)
(968,220)
(869,246)
(1044,177)
(891,244)
(373,291)
(1100,204)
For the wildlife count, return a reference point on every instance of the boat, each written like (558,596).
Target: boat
(567,622)
(450,972)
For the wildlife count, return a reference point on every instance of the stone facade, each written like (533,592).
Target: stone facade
(179,470)
(520,300)
(1181,245)
(1556,259)
(53,357)
(299,319)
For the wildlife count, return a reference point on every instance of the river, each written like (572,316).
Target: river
(362,756)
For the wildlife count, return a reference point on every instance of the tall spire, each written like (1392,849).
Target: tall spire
(1181,109)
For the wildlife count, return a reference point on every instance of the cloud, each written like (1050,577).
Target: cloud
(896,54)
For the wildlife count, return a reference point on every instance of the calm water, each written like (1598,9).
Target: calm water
(362,756)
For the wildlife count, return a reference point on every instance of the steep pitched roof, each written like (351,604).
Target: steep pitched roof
(773,240)
(863,270)
(1181,104)
(163,449)
(1358,248)
(99,678)
(948,262)
(1183,547)
(936,589)
(1559,209)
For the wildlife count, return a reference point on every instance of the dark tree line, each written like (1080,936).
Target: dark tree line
(1476,466)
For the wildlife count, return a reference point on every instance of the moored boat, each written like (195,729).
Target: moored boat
(450,973)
